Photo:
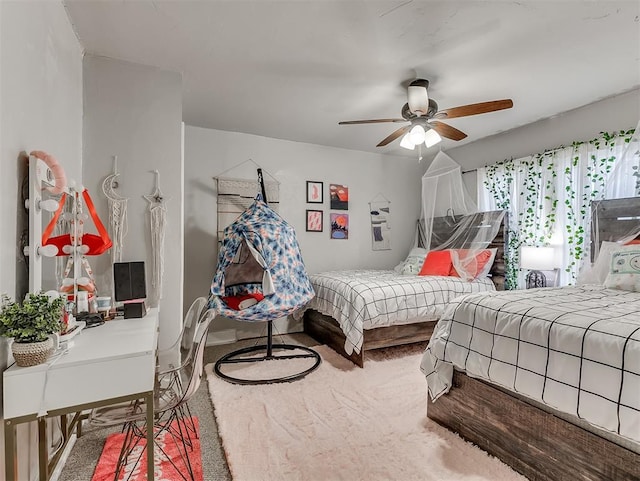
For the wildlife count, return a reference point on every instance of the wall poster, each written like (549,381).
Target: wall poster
(339,195)
(339,226)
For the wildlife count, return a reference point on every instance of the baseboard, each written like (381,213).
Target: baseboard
(226,336)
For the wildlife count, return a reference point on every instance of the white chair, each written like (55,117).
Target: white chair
(173,357)
(170,360)
(173,391)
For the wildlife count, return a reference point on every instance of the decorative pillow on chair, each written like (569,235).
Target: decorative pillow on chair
(625,270)
(413,263)
(437,263)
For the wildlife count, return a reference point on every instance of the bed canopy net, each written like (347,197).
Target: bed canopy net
(468,232)
(260,277)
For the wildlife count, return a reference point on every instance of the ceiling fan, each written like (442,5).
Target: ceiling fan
(424,118)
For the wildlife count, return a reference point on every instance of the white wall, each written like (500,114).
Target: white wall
(135,112)
(212,152)
(41,99)
(585,123)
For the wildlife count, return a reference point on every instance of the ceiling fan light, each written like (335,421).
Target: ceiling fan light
(417,134)
(418,100)
(406,142)
(431,138)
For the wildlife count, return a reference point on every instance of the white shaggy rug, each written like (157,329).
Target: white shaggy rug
(342,422)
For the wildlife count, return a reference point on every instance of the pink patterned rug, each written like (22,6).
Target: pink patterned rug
(342,422)
(135,469)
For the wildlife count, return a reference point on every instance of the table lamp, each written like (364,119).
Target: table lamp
(537,259)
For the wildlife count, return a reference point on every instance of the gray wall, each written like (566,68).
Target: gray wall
(585,123)
(135,112)
(212,152)
(41,99)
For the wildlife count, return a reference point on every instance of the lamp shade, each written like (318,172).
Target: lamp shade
(431,138)
(416,134)
(537,258)
(406,142)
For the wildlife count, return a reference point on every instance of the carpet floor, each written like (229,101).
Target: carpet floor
(84,456)
(86,452)
(342,422)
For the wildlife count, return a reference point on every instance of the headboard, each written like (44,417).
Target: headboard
(445,226)
(614,219)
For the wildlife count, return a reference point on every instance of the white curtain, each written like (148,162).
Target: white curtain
(548,196)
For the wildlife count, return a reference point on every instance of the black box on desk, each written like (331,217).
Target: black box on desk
(129,281)
(134,310)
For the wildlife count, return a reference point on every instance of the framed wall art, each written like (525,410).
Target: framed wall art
(314,192)
(314,220)
(339,226)
(339,195)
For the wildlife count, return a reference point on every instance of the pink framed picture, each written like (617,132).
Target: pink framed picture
(314,220)
(314,192)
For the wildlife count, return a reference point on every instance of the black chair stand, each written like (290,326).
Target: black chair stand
(236,357)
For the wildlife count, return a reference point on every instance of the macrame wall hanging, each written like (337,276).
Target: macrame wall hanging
(380,211)
(236,195)
(157,225)
(117,212)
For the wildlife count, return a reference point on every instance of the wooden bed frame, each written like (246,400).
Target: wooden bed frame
(326,329)
(533,441)
(538,444)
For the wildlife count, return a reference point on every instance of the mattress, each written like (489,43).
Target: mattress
(367,299)
(573,349)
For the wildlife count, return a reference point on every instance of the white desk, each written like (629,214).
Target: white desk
(107,364)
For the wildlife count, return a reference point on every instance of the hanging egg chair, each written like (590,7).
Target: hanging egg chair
(261,277)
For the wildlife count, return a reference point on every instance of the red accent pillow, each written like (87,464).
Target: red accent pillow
(437,263)
(632,242)
(242,302)
(482,257)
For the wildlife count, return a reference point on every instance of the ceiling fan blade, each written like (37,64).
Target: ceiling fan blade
(372,121)
(447,131)
(474,109)
(394,135)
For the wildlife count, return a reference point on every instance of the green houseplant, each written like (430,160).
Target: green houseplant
(31,324)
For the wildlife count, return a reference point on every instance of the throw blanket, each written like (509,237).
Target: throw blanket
(366,299)
(575,349)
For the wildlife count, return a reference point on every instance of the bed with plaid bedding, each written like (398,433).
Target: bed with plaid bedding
(367,299)
(574,349)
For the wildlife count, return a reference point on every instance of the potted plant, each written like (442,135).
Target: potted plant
(31,324)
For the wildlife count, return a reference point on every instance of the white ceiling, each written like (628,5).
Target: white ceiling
(293,69)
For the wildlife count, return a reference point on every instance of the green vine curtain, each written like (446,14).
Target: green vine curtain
(548,197)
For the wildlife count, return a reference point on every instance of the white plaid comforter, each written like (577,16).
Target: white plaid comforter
(365,299)
(576,349)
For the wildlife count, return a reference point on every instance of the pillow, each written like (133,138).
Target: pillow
(413,263)
(437,263)
(473,268)
(625,270)
(598,272)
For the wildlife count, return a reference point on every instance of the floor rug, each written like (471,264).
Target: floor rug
(137,471)
(342,422)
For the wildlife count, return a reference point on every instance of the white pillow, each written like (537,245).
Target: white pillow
(413,263)
(598,272)
(625,270)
